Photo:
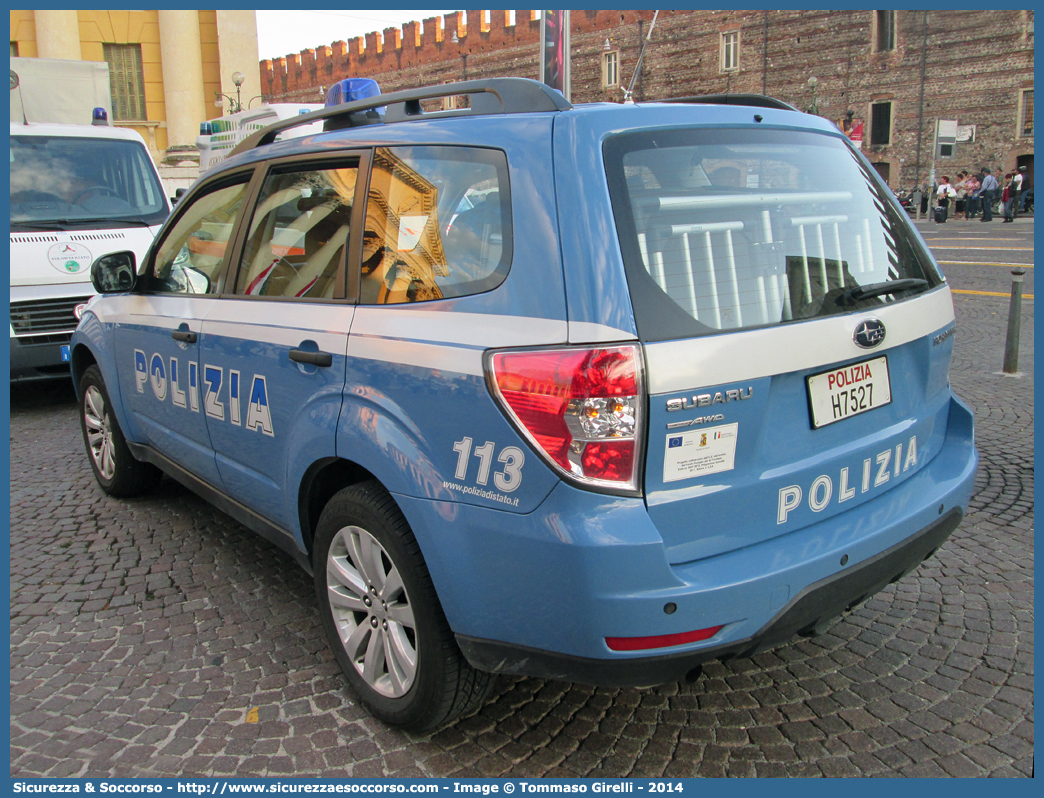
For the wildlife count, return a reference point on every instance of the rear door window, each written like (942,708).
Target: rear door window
(725,229)
(438,224)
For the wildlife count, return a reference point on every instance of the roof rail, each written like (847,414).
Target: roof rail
(490,96)
(755,100)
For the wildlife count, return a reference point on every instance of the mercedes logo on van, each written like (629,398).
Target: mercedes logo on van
(869,333)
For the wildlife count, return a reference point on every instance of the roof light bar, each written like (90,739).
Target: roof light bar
(490,96)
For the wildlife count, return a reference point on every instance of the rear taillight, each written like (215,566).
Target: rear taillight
(580,407)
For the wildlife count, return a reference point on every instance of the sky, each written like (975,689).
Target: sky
(280,33)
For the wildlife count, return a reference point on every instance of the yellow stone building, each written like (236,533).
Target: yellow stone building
(166,68)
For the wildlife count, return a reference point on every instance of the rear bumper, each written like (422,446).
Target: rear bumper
(538,594)
(816,605)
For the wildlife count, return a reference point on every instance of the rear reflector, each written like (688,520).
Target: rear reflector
(660,641)
(580,407)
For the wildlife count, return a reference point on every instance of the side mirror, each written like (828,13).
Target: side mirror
(114,273)
(178,194)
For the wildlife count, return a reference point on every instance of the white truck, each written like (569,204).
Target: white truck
(80,189)
(218,137)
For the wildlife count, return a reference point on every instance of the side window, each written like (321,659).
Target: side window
(438,224)
(296,243)
(189,258)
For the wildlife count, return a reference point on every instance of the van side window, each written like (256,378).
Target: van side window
(296,241)
(189,258)
(438,224)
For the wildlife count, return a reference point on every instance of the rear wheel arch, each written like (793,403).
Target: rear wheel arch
(323,479)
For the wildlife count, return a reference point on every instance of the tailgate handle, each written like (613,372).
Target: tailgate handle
(186,336)
(312,358)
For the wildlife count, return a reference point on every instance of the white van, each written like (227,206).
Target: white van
(77,192)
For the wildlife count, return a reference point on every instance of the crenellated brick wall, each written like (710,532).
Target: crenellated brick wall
(976,67)
(397,56)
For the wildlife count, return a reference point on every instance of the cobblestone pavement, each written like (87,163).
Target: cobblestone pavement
(156,637)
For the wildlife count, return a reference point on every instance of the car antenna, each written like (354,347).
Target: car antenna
(628,100)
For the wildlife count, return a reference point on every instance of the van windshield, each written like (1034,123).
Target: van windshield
(726,229)
(81,182)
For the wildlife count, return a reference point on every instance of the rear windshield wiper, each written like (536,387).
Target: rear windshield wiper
(860,292)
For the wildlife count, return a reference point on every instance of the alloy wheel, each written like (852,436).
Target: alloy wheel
(99,432)
(372,612)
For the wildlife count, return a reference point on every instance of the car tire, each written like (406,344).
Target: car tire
(383,618)
(117,471)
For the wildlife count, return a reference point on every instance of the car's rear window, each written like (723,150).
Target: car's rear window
(726,229)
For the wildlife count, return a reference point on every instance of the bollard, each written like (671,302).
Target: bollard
(1011,345)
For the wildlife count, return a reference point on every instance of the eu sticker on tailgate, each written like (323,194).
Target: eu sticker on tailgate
(845,392)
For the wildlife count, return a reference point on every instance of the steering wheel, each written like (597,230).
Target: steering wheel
(95,190)
(34,195)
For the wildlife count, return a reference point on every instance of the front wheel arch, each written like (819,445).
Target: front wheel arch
(82,358)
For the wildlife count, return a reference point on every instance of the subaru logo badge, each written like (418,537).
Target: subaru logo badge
(869,333)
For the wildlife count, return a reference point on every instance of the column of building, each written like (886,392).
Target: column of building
(182,58)
(57,34)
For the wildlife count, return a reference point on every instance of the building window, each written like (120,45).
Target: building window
(730,51)
(610,69)
(884,31)
(884,169)
(881,124)
(1026,115)
(126,81)
(14,49)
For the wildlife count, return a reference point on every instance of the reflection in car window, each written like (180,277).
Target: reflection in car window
(297,237)
(190,256)
(438,224)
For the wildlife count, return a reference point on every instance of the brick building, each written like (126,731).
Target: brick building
(898,71)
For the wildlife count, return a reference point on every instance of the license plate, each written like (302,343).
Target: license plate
(65,353)
(845,392)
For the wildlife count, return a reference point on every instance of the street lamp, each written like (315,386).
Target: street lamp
(236,105)
(813,105)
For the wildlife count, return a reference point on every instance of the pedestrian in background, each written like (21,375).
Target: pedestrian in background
(986,194)
(971,199)
(1006,203)
(1016,180)
(945,193)
(959,187)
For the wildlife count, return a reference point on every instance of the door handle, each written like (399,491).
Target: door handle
(185,336)
(312,358)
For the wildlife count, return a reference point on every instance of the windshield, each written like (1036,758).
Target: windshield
(81,181)
(725,229)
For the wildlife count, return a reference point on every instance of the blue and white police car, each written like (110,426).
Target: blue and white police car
(594,392)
